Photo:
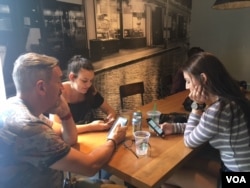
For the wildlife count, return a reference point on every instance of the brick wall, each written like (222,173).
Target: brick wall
(150,71)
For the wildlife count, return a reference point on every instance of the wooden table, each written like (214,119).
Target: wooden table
(166,154)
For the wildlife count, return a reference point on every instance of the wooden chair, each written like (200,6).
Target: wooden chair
(131,89)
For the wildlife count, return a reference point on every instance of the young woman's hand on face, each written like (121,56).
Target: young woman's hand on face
(198,94)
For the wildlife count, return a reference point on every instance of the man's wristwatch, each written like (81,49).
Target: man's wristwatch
(197,106)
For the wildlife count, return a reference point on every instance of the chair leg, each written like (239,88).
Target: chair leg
(68,182)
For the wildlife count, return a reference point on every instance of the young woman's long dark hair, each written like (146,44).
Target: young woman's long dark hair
(219,82)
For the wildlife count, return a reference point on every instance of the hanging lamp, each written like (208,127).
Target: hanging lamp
(231,4)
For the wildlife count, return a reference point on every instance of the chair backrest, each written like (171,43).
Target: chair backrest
(131,89)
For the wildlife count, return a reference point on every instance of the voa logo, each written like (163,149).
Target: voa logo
(236,179)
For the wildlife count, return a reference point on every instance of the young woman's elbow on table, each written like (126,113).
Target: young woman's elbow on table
(188,143)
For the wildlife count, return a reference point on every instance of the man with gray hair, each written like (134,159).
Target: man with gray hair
(35,151)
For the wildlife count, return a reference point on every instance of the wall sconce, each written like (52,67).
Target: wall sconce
(231,4)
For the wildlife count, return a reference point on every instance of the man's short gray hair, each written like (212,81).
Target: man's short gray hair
(31,67)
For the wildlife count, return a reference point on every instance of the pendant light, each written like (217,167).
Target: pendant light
(231,4)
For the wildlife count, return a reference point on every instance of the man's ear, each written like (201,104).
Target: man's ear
(41,87)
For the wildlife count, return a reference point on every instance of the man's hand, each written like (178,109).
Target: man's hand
(119,134)
(62,108)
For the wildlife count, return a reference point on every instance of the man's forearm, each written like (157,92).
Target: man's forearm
(68,129)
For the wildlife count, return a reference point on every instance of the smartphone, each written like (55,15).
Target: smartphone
(155,127)
(119,121)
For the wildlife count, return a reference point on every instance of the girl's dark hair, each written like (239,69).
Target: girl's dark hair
(194,50)
(219,82)
(75,64)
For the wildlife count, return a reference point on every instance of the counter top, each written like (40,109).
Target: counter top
(128,56)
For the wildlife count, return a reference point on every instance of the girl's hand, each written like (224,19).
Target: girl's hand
(167,128)
(198,94)
(110,119)
(100,125)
